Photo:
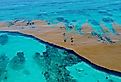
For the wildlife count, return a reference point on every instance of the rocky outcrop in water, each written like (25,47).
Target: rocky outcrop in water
(54,62)
(18,61)
(3,39)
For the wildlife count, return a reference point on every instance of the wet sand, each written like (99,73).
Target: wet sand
(103,54)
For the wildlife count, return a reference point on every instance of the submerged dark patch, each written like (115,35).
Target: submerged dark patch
(94,22)
(18,61)
(55,63)
(105,13)
(60,19)
(107,20)
(3,39)
(3,66)
(74,20)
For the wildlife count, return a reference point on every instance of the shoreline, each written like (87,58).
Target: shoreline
(101,54)
(95,66)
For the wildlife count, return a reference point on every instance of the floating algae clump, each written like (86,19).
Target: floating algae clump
(18,61)
(3,39)
(54,63)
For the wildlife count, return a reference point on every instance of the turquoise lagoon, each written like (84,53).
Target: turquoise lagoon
(25,58)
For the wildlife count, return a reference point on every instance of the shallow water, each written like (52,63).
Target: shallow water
(44,63)
(75,11)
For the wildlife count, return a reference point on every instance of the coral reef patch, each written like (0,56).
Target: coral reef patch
(54,64)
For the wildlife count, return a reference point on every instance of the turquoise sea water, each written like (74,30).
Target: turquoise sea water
(24,58)
(75,11)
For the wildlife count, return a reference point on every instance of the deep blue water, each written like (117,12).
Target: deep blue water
(77,11)
(24,58)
